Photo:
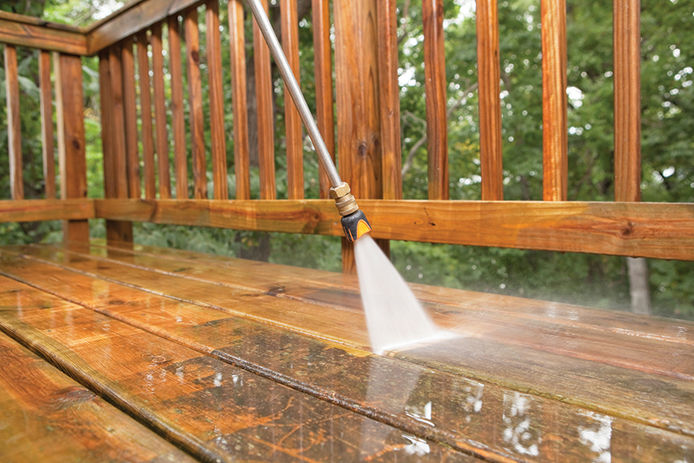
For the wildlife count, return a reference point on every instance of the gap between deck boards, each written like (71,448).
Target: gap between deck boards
(93,276)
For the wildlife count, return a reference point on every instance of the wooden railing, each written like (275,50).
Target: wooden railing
(142,122)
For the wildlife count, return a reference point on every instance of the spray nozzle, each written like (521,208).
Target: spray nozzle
(354,222)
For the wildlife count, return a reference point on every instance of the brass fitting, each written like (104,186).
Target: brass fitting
(345,202)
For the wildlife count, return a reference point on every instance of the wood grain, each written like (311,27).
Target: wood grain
(237,52)
(488,77)
(31,210)
(160,114)
(325,119)
(216,102)
(14,127)
(119,174)
(627,100)
(130,119)
(71,139)
(106,122)
(389,99)
(265,113)
(615,391)
(32,32)
(146,116)
(176,391)
(47,144)
(331,372)
(554,119)
(292,123)
(49,417)
(657,230)
(177,109)
(435,88)
(130,19)
(197,124)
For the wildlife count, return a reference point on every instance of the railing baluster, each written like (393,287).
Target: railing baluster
(197,127)
(71,139)
(292,123)
(488,73)
(146,116)
(178,124)
(554,121)
(130,119)
(119,172)
(389,99)
(14,130)
(237,51)
(627,100)
(217,132)
(106,120)
(47,144)
(160,114)
(435,87)
(266,131)
(324,82)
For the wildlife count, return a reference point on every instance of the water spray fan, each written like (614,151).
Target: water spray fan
(354,222)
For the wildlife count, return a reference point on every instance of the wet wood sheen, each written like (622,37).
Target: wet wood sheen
(520,386)
(48,417)
(208,407)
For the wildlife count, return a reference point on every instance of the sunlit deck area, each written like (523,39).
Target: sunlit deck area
(149,354)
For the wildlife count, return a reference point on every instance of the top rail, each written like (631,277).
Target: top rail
(16,29)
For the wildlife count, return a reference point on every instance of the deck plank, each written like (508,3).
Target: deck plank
(617,349)
(455,403)
(212,409)
(48,417)
(604,388)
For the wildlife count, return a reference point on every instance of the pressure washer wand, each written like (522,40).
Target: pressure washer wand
(354,222)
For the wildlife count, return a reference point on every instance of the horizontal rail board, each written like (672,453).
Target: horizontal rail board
(32,210)
(132,19)
(656,230)
(31,32)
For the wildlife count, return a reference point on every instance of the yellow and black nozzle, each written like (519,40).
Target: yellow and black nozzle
(354,222)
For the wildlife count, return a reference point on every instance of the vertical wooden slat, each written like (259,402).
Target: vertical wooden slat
(292,122)
(14,129)
(389,99)
(130,119)
(197,128)
(435,87)
(71,139)
(119,173)
(554,121)
(146,116)
(266,131)
(237,52)
(324,82)
(358,120)
(488,75)
(160,114)
(117,231)
(627,100)
(47,144)
(106,121)
(177,116)
(217,132)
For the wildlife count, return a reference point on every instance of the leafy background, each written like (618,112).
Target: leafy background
(667,29)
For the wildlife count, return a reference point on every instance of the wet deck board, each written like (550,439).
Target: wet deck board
(484,395)
(216,411)
(553,365)
(48,417)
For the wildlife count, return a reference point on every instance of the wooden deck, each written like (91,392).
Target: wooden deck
(149,354)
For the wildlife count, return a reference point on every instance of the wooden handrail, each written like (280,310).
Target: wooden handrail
(16,29)
(663,231)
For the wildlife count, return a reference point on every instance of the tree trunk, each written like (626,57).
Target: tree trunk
(638,285)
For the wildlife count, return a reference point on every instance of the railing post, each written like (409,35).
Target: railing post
(71,139)
(358,104)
